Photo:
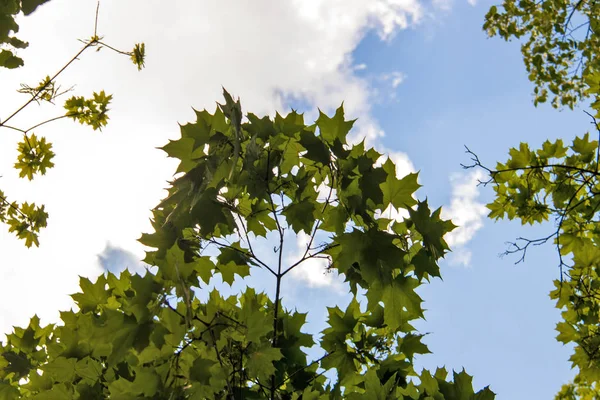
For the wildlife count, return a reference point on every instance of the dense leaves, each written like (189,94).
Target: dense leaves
(561,43)
(151,337)
(578,390)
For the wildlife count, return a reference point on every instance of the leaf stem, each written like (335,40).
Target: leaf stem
(49,81)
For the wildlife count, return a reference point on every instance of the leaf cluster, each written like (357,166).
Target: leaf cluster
(92,112)
(239,183)
(561,43)
(578,390)
(25,219)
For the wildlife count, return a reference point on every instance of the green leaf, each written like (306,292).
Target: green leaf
(334,128)
(431,228)
(411,344)
(60,369)
(29,6)
(400,296)
(9,60)
(229,270)
(89,370)
(300,215)
(8,392)
(92,112)
(425,265)
(519,158)
(334,219)
(138,55)
(398,192)
(18,43)
(585,147)
(260,362)
(317,150)
(181,149)
(233,260)
(200,370)
(429,384)
(93,294)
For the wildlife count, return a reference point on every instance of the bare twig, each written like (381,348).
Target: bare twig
(304,368)
(96,20)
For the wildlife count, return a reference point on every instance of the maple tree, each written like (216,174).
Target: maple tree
(237,184)
(35,152)
(579,390)
(558,181)
(561,43)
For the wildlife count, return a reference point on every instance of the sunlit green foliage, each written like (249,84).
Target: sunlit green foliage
(561,182)
(240,184)
(561,51)
(92,112)
(561,43)
(578,390)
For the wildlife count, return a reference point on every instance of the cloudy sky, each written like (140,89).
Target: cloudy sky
(423,80)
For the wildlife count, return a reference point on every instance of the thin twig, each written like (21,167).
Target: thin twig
(278,276)
(571,15)
(242,251)
(304,368)
(40,90)
(125,53)
(313,255)
(50,120)
(96,20)
(595,123)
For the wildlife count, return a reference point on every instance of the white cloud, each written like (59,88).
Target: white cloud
(395,78)
(312,271)
(465,212)
(104,184)
(444,5)
(403,164)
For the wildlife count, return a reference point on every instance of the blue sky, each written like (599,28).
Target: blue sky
(495,318)
(460,88)
(457,88)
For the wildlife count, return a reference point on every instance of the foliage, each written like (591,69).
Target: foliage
(561,54)
(578,390)
(563,182)
(562,43)
(9,43)
(240,188)
(34,153)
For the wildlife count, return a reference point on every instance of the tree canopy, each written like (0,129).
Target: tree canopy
(561,43)
(558,180)
(245,186)
(150,336)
